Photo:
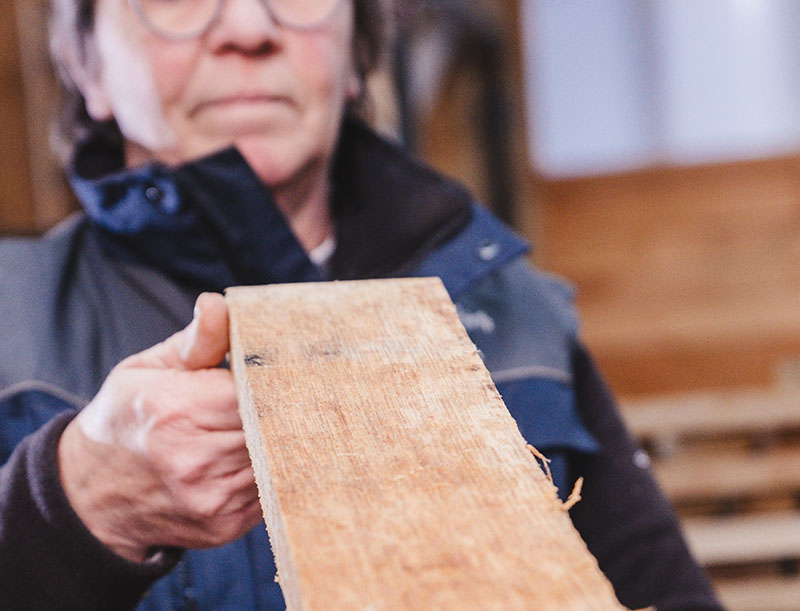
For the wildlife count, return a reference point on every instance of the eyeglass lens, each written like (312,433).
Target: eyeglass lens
(186,18)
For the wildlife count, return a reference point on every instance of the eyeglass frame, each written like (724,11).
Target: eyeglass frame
(136,6)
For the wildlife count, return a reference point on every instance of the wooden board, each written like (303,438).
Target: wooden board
(391,474)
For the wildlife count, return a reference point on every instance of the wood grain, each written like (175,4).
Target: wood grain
(391,474)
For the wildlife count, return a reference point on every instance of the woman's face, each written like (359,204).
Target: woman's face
(277,94)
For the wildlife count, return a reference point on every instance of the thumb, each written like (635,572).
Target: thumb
(201,345)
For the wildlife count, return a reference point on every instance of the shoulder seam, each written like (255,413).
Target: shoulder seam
(45,387)
(533,371)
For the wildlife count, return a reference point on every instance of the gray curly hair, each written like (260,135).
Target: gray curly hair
(71,28)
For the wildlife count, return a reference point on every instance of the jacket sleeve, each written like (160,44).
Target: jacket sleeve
(48,558)
(624,518)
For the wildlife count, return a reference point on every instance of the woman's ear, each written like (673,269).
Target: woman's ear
(97,104)
(89,81)
(85,71)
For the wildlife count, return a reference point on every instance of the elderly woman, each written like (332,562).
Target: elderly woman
(214,143)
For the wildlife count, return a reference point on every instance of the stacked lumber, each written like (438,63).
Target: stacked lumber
(731,464)
(390,472)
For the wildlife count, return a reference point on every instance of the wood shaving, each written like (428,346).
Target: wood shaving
(545,461)
(574,496)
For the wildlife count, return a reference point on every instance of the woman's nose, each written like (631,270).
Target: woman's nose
(247,24)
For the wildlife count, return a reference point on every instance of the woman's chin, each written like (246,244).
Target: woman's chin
(272,163)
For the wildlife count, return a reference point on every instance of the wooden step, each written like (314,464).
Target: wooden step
(701,475)
(761,594)
(714,414)
(745,539)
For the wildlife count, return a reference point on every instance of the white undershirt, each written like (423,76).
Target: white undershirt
(322,254)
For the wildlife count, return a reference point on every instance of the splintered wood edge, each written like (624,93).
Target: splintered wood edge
(286,574)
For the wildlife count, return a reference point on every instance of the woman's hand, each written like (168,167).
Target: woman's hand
(158,457)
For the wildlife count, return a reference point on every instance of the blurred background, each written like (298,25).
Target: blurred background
(650,150)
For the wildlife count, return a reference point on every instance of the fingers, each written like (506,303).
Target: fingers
(182,465)
(197,534)
(167,434)
(201,345)
(207,341)
(198,401)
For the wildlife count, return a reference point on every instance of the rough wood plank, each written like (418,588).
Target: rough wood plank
(391,474)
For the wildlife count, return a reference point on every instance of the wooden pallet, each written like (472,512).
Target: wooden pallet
(731,464)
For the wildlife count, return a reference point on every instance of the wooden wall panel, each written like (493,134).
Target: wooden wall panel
(52,197)
(33,191)
(16,198)
(688,278)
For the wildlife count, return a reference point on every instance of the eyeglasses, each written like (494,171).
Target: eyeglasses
(183,19)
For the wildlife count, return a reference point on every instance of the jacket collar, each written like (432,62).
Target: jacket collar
(390,210)
(211,223)
(481,247)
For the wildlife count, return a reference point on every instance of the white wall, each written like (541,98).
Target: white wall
(619,84)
